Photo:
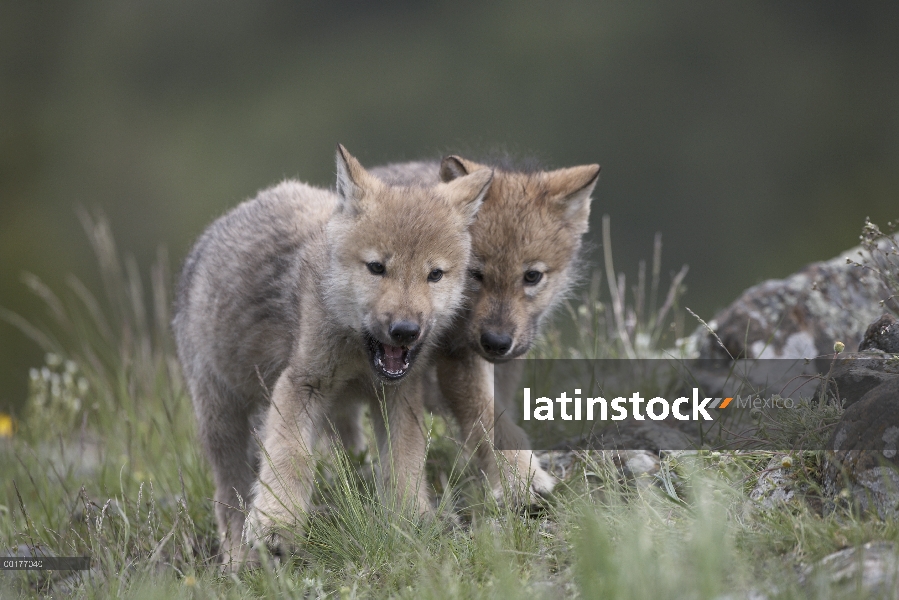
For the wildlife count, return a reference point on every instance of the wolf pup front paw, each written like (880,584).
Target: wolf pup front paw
(274,532)
(523,482)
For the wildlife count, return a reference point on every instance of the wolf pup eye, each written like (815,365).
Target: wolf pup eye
(435,275)
(532,277)
(375,268)
(476,274)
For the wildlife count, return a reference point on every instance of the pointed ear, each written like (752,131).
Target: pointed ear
(453,167)
(572,188)
(353,181)
(467,192)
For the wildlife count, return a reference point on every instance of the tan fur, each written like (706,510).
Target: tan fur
(529,222)
(279,295)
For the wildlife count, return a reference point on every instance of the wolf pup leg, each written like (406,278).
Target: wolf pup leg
(229,446)
(514,476)
(296,418)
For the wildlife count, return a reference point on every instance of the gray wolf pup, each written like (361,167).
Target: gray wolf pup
(320,297)
(525,244)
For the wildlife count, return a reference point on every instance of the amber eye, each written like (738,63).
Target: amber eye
(375,268)
(435,275)
(532,277)
(476,274)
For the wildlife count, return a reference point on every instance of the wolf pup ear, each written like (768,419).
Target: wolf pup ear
(572,188)
(453,167)
(467,192)
(353,181)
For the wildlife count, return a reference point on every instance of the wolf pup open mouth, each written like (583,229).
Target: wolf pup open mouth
(390,363)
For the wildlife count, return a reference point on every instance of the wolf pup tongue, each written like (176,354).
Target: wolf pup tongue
(393,358)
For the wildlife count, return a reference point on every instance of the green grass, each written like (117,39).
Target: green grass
(105,463)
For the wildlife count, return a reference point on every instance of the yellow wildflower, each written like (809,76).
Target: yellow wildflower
(7,425)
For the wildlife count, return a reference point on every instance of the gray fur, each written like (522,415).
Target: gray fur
(236,318)
(424,172)
(274,312)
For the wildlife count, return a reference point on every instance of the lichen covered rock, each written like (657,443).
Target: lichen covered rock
(803,315)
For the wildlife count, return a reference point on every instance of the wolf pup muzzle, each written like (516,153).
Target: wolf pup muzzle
(391,361)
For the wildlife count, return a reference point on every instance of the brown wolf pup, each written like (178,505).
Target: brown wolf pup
(324,297)
(525,243)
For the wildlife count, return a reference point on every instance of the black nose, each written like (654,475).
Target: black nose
(496,344)
(404,332)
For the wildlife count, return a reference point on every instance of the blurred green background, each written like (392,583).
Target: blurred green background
(756,136)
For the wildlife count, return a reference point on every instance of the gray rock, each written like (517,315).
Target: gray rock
(776,486)
(882,334)
(800,316)
(853,375)
(637,466)
(871,570)
(870,423)
(863,455)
